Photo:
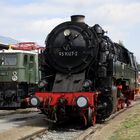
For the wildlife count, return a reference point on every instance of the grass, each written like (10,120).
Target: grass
(129,129)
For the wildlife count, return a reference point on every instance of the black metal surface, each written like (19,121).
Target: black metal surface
(74,48)
(73,53)
(3,46)
(65,83)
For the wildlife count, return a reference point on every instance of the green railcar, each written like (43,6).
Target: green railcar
(19,76)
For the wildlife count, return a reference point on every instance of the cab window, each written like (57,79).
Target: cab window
(131,59)
(25,60)
(31,61)
(31,58)
(8,59)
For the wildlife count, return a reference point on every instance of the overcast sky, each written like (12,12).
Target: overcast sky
(32,20)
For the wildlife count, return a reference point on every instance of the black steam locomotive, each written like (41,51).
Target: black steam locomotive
(84,73)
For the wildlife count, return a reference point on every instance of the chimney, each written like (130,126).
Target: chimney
(78,18)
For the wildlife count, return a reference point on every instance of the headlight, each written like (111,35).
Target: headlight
(34,101)
(82,101)
(67,32)
(14,78)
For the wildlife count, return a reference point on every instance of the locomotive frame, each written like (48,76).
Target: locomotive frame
(84,74)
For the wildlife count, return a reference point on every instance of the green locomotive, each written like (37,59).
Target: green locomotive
(19,76)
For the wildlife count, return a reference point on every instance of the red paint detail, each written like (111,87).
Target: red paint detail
(28,46)
(121,104)
(84,118)
(119,86)
(40,99)
(94,117)
(53,97)
(26,100)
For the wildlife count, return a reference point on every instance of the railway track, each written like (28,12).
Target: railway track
(86,135)
(68,133)
(17,111)
(18,125)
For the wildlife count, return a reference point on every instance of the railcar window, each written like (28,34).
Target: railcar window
(32,58)
(25,60)
(31,61)
(8,59)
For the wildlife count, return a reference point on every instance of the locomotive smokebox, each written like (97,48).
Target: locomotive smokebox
(78,18)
